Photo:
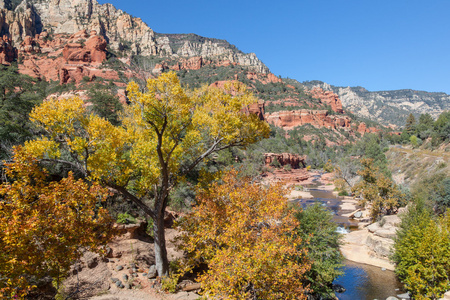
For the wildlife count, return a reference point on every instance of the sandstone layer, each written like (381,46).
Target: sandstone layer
(122,32)
(319,118)
(294,160)
(372,245)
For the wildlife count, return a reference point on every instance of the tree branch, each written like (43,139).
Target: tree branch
(202,157)
(123,191)
(74,165)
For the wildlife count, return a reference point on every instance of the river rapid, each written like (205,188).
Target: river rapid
(361,281)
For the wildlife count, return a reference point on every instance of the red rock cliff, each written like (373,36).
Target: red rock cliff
(328,98)
(318,118)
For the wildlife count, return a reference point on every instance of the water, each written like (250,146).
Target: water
(328,199)
(362,282)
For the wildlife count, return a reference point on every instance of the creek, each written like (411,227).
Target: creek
(361,281)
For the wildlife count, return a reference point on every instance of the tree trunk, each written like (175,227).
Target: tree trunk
(161,261)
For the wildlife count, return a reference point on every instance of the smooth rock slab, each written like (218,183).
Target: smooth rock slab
(404,296)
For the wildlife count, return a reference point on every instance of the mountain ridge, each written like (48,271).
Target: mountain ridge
(130,36)
(387,107)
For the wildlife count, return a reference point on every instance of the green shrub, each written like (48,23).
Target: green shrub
(287,167)
(275,163)
(125,218)
(421,253)
(343,193)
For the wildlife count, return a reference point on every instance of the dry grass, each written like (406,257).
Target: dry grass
(409,165)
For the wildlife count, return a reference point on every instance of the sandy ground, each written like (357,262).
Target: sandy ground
(299,194)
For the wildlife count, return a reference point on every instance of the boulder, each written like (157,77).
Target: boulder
(152,273)
(294,160)
(446,296)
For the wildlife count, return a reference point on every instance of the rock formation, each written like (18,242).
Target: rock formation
(122,32)
(362,128)
(372,245)
(263,78)
(387,107)
(328,97)
(219,52)
(294,160)
(318,118)
(7,51)
(79,52)
(67,59)
(18,24)
(72,16)
(256,109)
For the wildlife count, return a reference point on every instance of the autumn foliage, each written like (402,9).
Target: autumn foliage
(165,133)
(45,226)
(377,190)
(243,232)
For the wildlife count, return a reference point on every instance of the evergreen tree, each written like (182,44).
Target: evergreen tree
(318,234)
(18,95)
(425,126)
(410,126)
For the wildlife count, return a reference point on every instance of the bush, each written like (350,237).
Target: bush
(287,167)
(421,253)
(343,193)
(242,232)
(125,218)
(275,163)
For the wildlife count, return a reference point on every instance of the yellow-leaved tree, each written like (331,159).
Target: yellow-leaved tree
(377,190)
(165,133)
(244,233)
(45,226)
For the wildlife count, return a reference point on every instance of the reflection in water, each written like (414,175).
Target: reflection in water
(364,282)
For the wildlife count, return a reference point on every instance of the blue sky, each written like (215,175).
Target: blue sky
(378,44)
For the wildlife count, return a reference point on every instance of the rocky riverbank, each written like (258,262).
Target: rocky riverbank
(369,243)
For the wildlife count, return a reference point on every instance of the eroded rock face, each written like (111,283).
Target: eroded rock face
(382,235)
(363,129)
(319,118)
(18,24)
(116,26)
(219,53)
(328,97)
(193,63)
(294,160)
(264,78)
(92,51)
(388,107)
(64,58)
(7,51)
(256,109)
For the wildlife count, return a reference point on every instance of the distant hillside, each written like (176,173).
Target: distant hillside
(81,42)
(387,107)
